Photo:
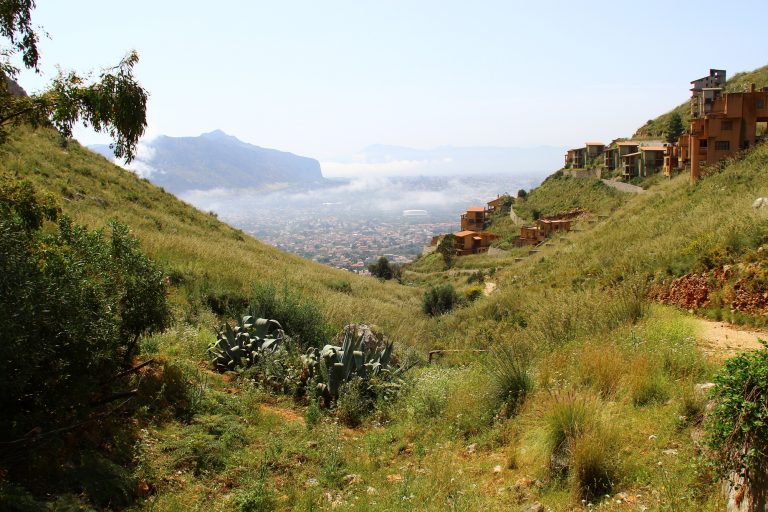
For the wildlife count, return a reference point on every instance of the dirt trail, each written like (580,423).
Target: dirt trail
(722,340)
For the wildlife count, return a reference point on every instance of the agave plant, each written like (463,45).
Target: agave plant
(360,355)
(243,346)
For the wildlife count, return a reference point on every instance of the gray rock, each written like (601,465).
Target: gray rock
(534,507)
(760,202)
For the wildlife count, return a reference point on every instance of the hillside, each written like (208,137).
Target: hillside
(655,127)
(588,389)
(218,160)
(210,261)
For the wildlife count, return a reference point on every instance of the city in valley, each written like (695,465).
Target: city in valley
(351,224)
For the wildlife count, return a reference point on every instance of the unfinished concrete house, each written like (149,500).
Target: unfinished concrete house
(723,124)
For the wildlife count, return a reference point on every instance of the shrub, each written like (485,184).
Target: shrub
(510,378)
(593,468)
(473,293)
(383,269)
(737,429)
(647,386)
(440,299)
(353,403)
(341,286)
(568,417)
(601,367)
(73,304)
(300,316)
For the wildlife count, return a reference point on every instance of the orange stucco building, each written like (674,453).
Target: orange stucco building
(473,242)
(722,124)
(474,219)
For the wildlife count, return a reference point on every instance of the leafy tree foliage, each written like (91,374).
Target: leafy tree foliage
(115,103)
(522,194)
(72,304)
(674,128)
(447,248)
(383,269)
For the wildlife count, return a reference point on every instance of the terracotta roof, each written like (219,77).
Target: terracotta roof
(653,148)
(632,154)
(628,143)
(476,209)
(594,144)
(462,234)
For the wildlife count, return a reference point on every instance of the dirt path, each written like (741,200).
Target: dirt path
(489,288)
(723,340)
(624,187)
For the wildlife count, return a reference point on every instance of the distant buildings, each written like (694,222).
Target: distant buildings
(722,124)
(473,239)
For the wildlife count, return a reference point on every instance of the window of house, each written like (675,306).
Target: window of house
(703,143)
(726,125)
(723,145)
(760,103)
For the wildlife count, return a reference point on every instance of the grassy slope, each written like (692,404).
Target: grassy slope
(210,256)
(571,305)
(739,82)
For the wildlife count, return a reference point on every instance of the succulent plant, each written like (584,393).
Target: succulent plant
(243,346)
(360,355)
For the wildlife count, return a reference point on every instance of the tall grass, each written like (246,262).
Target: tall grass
(511,380)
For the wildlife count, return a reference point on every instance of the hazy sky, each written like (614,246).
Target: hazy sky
(325,79)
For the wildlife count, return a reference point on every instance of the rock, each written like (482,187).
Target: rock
(394,478)
(352,479)
(371,491)
(760,202)
(702,390)
(534,507)
(670,451)
(497,469)
(312,482)
(472,448)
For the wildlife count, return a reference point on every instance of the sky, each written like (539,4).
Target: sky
(327,79)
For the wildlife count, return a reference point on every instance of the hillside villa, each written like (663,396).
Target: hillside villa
(722,124)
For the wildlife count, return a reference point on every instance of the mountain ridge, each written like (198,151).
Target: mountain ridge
(216,160)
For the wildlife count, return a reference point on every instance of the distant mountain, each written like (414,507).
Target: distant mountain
(449,160)
(216,160)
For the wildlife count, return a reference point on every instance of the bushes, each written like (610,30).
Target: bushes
(440,299)
(581,445)
(73,304)
(301,317)
(738,426)
(510,379)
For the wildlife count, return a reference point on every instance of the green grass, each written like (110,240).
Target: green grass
(604,374)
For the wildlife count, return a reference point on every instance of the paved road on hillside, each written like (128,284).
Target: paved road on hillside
(624,187)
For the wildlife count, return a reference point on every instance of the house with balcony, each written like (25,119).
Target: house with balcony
(722,124)
(474,219)
(473,242)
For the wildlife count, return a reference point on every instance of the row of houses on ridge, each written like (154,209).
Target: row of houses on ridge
(722,124)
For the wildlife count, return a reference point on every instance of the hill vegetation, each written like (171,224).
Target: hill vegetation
(566,383)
